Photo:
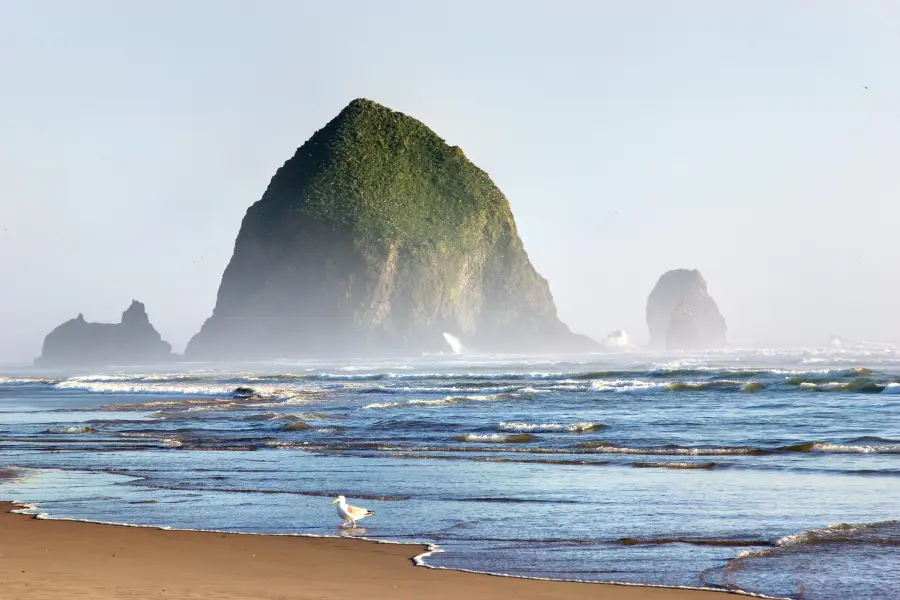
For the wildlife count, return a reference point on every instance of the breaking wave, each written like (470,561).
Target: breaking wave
(172,388)
(626,385)
(85,429)
(447,400)
(496,438)
(297,386)
(675,465)
(859,385)
(605,448)
(849,449)
(720,542)
(295,426)
(843,560)
(27,381)
(885,532)
(582,427)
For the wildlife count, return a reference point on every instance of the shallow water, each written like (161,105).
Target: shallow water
(674,470)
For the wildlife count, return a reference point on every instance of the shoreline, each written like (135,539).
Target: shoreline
(53,558)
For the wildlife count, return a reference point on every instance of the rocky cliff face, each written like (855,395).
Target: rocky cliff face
(133,341)
(377,237)
(682,315)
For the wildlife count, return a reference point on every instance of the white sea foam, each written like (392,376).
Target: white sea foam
(803,537)
(441,401)
(211,407)
(425,389)
(26,381)
(850,449)
(508,375)
(826,386)
(626,385)
(832,386)
(294,394)
(419,561)
(850,386)
(548,427)
(281,444)
(137,387)
(670,451)
(530,390)
(135,377)
(871,532)
(569,387)
(375,405)
(496,438)
(672,465)
(84,429)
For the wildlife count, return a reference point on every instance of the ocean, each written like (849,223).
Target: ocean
(774,472)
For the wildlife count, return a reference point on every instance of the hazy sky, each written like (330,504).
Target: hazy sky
(630,138)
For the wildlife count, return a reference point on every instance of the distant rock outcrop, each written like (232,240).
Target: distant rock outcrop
(378,237)
(681,314)
(133,341)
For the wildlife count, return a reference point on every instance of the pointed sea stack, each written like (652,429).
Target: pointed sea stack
(377,238)
(682,315)
(79,343)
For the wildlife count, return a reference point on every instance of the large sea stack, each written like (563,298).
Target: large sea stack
(682,315)
(132,341)
(377,238)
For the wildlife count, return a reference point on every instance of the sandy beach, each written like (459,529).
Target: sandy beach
(46,559)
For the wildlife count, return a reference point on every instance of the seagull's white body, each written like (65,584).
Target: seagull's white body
(350,514)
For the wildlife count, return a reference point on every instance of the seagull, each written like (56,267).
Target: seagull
(349,513)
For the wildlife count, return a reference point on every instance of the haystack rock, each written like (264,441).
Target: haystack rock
(133,341)
(682,315)
(377,238)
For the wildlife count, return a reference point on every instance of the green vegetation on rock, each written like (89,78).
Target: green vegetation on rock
(369,167)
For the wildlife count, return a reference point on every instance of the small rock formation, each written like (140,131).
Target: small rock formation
(377,237)
(79,343)
(682,315)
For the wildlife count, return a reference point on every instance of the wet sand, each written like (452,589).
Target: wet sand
(46,559)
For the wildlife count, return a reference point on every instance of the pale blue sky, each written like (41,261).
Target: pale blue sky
(630,137)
